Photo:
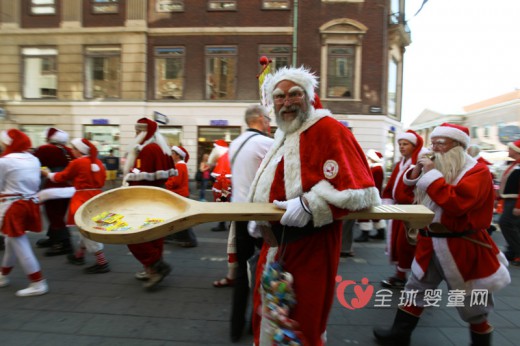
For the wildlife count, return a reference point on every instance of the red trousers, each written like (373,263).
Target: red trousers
(148,253)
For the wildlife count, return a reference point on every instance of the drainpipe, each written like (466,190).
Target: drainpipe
(295,32)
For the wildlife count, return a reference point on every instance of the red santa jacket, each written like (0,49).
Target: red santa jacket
(396,191)
(466,204)
(179,183)
(153,167)
(87,183)
(222,174)
(378,174)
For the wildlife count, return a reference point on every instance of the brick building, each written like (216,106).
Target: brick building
(93,67)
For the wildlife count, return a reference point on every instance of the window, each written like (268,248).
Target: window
(221,71)
(392,87)
(340,71)
(170,5)
(169,72)
(280,55)
(105,6)
(102,74)
(40,78)
(35,133)
(106,138)
(474,132)
(43,7)
(222,5)
(342,46)
(275,4)
(172,135)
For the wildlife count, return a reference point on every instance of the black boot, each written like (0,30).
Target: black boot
(380,234)
(480,339)
(60,248)
(363,237)
(400,332)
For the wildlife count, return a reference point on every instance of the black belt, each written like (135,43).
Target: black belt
(426,233)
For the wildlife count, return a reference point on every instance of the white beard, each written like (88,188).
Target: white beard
(450,164)
(291,125)
(132,152)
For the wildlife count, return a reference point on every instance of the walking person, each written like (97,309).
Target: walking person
(455,247)
(246,153)
(205,170)
(179,184)
(87,174)
(149,163)
(400,250)
(510,193)
(317,172)
(55,155)
(19,210)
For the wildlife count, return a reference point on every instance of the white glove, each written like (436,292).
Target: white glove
(254,230)
(296,215)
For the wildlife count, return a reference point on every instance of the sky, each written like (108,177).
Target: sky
(462,52)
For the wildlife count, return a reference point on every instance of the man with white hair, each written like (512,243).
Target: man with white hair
(455,247)
(317,172)
(55,155)
(149,163)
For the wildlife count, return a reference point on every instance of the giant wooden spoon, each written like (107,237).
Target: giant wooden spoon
(136,203)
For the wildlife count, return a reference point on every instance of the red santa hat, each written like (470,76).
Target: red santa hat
(515,146)
(220,143)
(15,141)
(414,138)
(54,135)
(374,155)
(456,132)
(85,147)
(182,152)
(145,124)
(301,76)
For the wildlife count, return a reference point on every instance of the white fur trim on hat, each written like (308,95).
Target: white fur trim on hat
(515,146)
(82,147)
(4,137)
(179,151)
(59,137)
(453,133)
(300,76)
(372,155)
(410,137)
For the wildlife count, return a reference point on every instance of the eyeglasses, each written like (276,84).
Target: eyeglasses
(292,97)
(440,143)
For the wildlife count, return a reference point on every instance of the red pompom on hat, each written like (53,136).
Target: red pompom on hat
(182,152)
(85,147)
(456,132)
(221,143)
(145,124)
(515,146)
(15,141)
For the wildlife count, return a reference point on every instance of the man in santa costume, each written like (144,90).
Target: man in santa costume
(219,160)
(179,184)
(455,247)
(375,161)
(55,155)
(149,163)
(19,210)
(317,172)
(400,250)
(510,193)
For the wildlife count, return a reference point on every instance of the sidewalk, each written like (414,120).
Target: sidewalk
(113,309)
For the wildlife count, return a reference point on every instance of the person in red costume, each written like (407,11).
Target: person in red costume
(180,185)
(149,163)
(317,172)
(455,247)
(400,250)
(55,155)
(375,159)
(219,160)
(88,176)
(19,210)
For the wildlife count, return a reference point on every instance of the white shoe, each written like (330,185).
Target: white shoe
(4,280)
(143,275)
(35,289)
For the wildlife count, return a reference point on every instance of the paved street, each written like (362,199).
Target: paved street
(113,309)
